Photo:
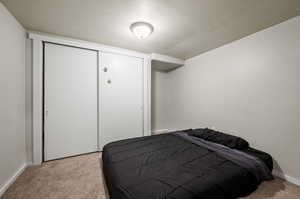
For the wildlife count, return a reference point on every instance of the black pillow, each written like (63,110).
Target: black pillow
(219,138)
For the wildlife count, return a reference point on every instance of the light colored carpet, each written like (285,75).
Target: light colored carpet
(81,177)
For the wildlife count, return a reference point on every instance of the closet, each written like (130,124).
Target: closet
(121,98)
(70,101)
(90,98)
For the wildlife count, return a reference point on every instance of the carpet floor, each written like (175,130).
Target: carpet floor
(81,177)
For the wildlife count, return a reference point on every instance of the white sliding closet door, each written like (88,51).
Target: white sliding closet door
(121,98)
(70,101)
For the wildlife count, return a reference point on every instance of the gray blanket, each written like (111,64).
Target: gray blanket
(251,163)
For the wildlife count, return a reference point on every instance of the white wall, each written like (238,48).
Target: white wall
(12,96)
(250,88)
(158,100)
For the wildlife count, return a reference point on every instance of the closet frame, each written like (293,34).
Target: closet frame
(37,41)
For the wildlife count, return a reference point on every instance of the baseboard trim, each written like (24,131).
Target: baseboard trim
(12,179)
(288,178)
(160,131)
(31,164)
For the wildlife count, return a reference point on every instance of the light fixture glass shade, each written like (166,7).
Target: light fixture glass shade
(141,29)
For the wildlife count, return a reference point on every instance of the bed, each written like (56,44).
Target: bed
(188,164)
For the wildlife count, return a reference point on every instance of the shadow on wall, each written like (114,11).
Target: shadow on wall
(277,169)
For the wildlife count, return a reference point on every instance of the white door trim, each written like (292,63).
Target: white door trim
(37,62)
(37,65)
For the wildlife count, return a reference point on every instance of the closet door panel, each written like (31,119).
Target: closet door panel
(70,101)
(121,98)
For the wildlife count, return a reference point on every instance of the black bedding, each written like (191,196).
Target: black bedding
(181,166)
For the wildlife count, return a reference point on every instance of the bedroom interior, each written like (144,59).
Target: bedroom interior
(130,99)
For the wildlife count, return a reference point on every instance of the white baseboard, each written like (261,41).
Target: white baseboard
(12,179)
(31,164)
(288,178)
(160,131)
(156,132)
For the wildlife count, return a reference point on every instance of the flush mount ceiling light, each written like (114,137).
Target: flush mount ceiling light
(141,29)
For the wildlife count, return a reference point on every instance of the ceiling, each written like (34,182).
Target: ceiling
(183,28)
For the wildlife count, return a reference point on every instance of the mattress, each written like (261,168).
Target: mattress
(170,166)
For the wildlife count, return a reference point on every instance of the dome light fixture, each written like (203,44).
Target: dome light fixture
(141,29)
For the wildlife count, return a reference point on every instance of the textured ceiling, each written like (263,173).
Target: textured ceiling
(183,28)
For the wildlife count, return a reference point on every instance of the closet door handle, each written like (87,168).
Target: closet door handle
(105,69)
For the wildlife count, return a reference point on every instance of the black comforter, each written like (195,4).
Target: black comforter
(170,166)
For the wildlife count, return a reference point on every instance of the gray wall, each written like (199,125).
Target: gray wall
(249,88)
(12,96)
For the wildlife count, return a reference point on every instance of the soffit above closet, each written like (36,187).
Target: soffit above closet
(165,63)
(182,29)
